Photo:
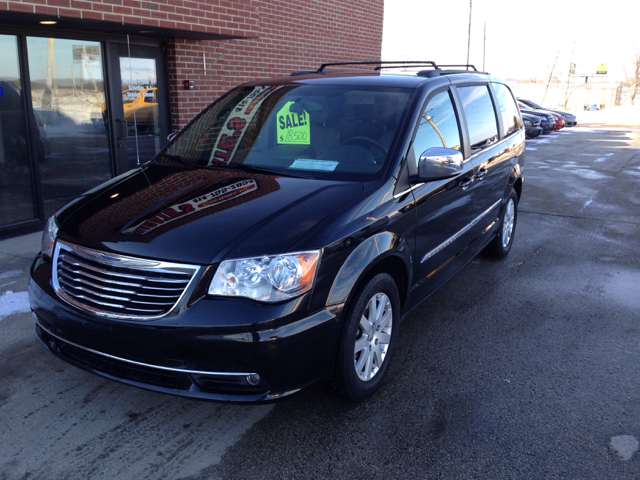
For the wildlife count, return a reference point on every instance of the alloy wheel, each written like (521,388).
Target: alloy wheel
(373,336)
(507,223)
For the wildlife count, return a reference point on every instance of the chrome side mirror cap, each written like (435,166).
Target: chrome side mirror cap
(438,163)
(172,135)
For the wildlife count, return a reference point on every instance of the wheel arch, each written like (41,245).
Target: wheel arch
(516,180)
(517,186)
(384,252)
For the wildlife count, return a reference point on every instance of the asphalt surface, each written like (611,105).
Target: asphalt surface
(522,368)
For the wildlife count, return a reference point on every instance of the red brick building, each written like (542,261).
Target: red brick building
(89,96)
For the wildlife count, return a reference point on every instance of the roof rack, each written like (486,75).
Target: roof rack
(437,69)
(379,63)
(438,72)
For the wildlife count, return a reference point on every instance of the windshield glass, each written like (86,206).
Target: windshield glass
(327,131)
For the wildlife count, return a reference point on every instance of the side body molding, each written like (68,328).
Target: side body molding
(360,259)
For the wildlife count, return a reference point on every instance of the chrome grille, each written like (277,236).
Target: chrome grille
(119,286)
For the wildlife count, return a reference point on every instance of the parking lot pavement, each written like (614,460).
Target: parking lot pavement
(523,368)
(57,421)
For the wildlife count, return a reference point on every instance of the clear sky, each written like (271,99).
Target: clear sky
(522,37)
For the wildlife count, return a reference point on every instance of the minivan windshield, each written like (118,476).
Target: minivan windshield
(321,131)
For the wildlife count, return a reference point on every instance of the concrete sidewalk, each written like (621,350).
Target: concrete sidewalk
(26,246)
(16,255)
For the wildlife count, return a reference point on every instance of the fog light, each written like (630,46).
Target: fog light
(253,379)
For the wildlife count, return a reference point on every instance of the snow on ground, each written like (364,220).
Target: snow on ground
(624,115)
(13,302)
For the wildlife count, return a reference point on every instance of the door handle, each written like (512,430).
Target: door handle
(465,183)
(126,128)
(480,174)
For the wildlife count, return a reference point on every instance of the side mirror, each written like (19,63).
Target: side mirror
(438,163)
(172,135)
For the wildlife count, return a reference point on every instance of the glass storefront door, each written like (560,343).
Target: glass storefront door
(16,181)
(141,115)
(65,128)
(68,96)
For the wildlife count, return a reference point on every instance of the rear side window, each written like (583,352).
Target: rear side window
(438,125)
(508,109)
(481,118)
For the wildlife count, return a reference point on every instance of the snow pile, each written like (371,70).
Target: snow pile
(11,303)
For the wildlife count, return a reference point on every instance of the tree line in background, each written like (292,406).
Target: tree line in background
(633,75)
(575,80)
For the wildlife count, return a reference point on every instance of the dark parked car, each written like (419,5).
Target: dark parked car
(570,119)
(547,120)
(558,120)
(284,233)
(532,125)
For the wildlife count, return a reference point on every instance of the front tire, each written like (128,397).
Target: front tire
(368,338)
(500,246)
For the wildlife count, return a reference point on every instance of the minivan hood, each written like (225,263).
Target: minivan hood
(201,216)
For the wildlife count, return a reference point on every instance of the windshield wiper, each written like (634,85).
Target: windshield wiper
(175,158)
(188,164)
(240,167)
(260,169)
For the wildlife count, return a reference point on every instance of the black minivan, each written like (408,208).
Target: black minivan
(281,237)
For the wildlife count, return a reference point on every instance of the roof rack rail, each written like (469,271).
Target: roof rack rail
(406,65)
(380,64)
(377,62)
(465,65)
(438,72)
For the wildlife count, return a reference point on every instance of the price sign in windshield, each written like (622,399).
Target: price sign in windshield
(293,127)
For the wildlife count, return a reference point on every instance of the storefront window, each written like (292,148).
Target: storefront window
(68,95)
(16,191)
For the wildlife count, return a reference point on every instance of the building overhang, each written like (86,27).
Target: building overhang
(91,26)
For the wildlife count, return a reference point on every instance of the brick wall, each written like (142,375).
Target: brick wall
(210,16)
(282,36)
(295,35)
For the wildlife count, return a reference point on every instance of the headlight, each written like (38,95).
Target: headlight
(271,278)
(528,123)
(49,237)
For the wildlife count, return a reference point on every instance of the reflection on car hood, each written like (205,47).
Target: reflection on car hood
(201,216)
(537,113)
(532,118)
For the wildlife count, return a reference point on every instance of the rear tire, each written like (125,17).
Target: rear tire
(500,246)
(368,338)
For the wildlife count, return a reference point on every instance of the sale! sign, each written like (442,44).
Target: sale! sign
(293,126)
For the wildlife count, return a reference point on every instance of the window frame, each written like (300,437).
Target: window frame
(425,104)
(456,109)
(468,154)
(496,103)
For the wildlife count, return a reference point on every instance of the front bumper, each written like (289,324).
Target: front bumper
(211,349)
(547,127)
(532,132)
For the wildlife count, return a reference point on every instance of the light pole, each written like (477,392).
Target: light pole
(484,46)
(469,37)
